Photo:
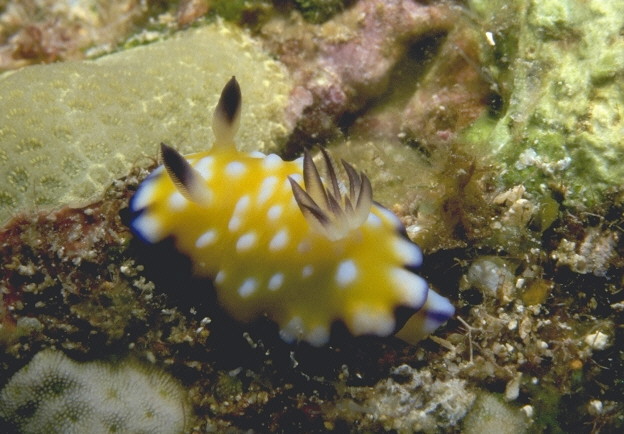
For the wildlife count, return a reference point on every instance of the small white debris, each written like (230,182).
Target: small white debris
(494,277)
(597,341)
(27,270)
(512,389)
(526,159)
(617,306)
(28,324)
(413,230)
(594,407)
(528,410)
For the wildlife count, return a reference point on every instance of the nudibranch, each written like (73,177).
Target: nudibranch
(279,239)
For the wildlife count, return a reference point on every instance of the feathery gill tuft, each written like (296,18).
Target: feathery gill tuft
(327,209)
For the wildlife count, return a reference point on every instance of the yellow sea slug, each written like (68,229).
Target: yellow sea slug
(280,240)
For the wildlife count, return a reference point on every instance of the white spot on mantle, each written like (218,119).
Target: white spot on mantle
(346,273)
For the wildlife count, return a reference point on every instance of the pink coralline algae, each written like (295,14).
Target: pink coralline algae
(347,62)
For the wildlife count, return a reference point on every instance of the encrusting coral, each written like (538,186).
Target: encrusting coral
(94,120)
(54,394)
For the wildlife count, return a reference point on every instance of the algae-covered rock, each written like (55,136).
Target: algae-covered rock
(560,67)
(411,400)
(67,130)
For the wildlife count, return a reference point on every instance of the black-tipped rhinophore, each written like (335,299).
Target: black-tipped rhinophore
(188,181)
(230,100)
(226,117)
(177,167)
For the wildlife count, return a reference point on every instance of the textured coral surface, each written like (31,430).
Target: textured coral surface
(53,394)
(69,129)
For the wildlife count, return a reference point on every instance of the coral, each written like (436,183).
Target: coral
(93,120)
(54,394)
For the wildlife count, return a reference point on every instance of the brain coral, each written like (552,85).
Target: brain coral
(68,129)
(54,394)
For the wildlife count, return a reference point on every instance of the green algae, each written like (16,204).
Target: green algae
(316,11)
(559,69)
(67,130)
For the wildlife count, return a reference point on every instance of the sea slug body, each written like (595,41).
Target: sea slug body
(278,239)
